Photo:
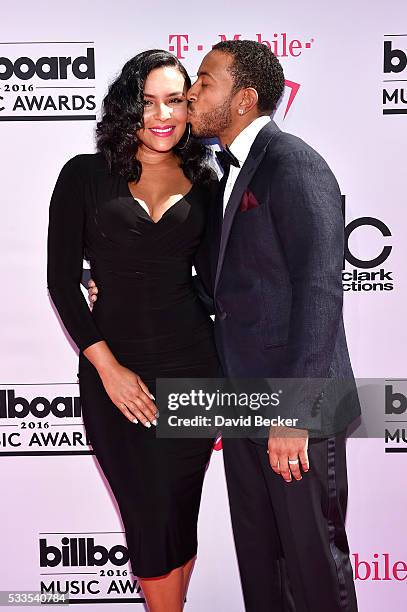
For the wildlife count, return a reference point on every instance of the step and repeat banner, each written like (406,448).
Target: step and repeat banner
(346,95)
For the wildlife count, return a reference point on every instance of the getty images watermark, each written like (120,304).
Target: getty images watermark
(240,408)
(236,407)
(219,401)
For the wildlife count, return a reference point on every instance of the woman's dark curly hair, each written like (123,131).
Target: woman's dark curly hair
(123,109)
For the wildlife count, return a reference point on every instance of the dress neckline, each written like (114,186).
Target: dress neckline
(146,210)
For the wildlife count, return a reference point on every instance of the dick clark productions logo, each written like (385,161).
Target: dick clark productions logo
(54,82)
(367,273)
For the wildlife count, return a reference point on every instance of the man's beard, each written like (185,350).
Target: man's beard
(212,123)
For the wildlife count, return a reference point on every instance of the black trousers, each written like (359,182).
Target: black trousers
(290,538)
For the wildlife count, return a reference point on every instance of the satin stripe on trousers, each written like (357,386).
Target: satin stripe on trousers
(290,538)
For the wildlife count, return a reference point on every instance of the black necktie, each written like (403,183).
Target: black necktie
(226,159)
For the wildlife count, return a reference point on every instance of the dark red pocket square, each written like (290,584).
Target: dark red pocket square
(248,201)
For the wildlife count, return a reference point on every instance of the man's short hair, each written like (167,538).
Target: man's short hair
(254,65)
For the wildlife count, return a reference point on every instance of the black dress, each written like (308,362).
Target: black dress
(154,323)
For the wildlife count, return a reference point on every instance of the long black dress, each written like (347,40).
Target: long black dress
(150,316)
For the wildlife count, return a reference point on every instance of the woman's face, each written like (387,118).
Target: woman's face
(165,109)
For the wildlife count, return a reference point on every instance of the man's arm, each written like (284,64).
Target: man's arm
(305,203)
(197,283)
(205,298)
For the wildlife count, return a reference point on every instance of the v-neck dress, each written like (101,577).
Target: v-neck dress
(150,316)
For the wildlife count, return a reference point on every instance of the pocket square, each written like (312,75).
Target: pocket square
(248,201)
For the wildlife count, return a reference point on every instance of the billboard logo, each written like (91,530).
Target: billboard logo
(54,83)
(91,567)
(395,402)
(47,68)
(394,94)
(77,552)
(380,567)
(42,420)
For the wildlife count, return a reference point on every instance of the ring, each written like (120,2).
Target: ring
(293,461)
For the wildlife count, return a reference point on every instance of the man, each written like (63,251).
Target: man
(277,258)
(275,244)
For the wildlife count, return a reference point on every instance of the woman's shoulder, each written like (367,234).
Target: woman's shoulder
(85,164)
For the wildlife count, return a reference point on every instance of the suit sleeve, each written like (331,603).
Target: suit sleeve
(65,254)
(203,295)
(306,205)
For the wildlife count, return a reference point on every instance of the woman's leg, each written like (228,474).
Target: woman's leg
(167,593)
(164,593)
(187,569)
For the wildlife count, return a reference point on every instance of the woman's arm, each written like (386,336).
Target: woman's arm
(64,272)
(125,388)
(65,254)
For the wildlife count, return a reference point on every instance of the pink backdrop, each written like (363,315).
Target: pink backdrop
(345,95)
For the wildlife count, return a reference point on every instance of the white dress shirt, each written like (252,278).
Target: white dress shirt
(240,147)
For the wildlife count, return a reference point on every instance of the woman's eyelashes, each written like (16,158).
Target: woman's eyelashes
(149,103)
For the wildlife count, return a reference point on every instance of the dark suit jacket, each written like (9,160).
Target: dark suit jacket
(274,269)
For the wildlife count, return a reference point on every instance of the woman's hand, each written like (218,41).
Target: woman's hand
(128,392)
(125,388)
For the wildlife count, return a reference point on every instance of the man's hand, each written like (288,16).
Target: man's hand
(92,292)
(288,444)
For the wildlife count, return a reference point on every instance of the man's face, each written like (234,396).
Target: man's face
(210,97)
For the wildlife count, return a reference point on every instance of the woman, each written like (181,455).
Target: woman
(138,208)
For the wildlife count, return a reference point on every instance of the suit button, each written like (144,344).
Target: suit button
(223,315)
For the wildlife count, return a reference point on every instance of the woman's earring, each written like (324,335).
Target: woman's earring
(187,140)
(240,111)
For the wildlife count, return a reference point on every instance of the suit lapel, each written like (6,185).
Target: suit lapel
(250,166)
